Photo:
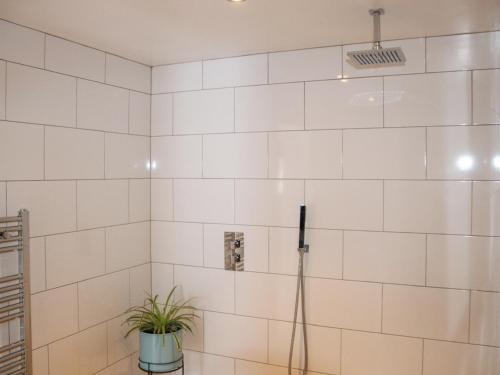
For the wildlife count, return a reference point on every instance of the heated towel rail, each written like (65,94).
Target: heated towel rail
(15,326)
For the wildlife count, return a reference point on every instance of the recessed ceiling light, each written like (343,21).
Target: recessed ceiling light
(236,1)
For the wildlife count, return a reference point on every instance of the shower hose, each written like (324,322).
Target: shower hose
(299,294)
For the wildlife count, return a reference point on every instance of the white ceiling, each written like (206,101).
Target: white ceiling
(164,31)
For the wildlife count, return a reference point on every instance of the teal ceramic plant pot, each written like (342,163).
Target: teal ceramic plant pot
(159,353)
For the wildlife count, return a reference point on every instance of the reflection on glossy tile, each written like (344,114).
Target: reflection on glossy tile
(486,98)
(127,156)
(235,71)
(485,318)
(486,208)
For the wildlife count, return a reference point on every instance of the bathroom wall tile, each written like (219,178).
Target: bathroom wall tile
(385,257)
(384,153)
(268,202)
(102,107)
(486,85)
(127,156)
(52,205)
(428,99)
(74,256)
(250,342)
(207,364)
(486,208)
(102,203)
(463,262)
(162,207)
(83,353)
(361,304)
(124,366)
(377,354)
(414,50)
(179,156)
(49,324)
(73,154)
(21,163)
(324,347)
(103,298)
(463,52)
(117,346)
(140,283)
(139,200)
(40,361)
(485,315)
(256,246)
(21,44)
(235,71)
(37,265)
(305,65)
(448,358)
(74,59)
(127,246)
(346,103)
(3,83)
(235,155)
(207,111)
(324,259)
(194,340)
(426,312)
(264,295)
(3,199)
(309,154)
(208,201)
(162,279)
(127,73)
(210,289)
(427,206)
(161,114)
(345,204)
(176,77)
(178,243)
(270,107)
(139,113)
(251,368)
(39,96)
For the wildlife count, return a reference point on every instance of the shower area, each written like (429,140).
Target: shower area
(144,169)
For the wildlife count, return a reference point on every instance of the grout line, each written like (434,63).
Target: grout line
(423,351)
(469,317)
(44,51)
(426,259)
(44,147)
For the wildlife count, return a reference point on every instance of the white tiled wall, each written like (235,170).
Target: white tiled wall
(62,107)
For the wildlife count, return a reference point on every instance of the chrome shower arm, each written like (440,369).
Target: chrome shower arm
(376,13)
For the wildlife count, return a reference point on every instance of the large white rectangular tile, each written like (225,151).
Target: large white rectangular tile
(384,153)
(463,262)
(426,312)
(21,44)
(103,298)
(73,153)
(486,104)
(323,343)
(235,155)
(427,206)
(54,315)
(40,358)
(361,304)
(305,65)
(37,265)
(194,340)
(52,205)
(268,202)
(3,199)
(209,289)
(270,107)
(102,107)
(139,200)
(125,366)
(485,315)
(252,368)
(178,243)
(3,88)
(21,154)
(162,279)
(250,342)
(345,103)
(127,156)
(306,154)
(345,204)
(139,113)
(35,95)
(74,256)
(385,257)
(102,203)
(162,199)
(448,358)
(74,59)
(161,114)
(140,283)
(486,208)
(414,50)
(255,245)
(207,364)
(177,156)
(126,73)
(127,246)
(176,77)
(428,99)
(235,71)
(373,353)
(207,111)
(209,201)
(463,52)
(117,345)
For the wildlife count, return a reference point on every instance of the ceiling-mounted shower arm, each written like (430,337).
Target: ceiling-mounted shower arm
(376,13)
